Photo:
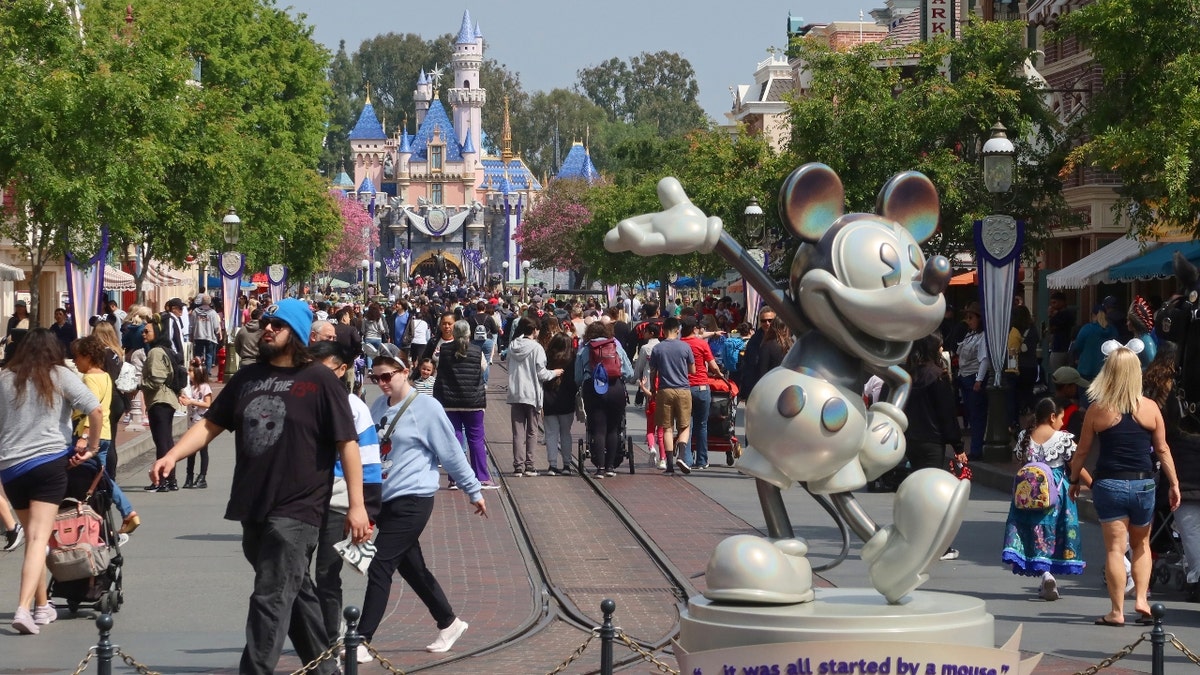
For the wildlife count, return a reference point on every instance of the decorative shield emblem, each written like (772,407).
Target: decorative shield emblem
(231,263)
(276,274)
(999,236)
(436,221)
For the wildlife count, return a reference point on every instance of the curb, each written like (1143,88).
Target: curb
(137,449)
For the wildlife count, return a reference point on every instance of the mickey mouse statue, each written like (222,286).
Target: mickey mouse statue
(861,292)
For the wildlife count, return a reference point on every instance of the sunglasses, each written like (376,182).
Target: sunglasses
(766,321)
(384,377)
(276,324)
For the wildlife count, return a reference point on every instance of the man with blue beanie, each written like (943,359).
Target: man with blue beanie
(291,423)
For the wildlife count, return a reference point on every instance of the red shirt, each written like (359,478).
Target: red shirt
(703,355)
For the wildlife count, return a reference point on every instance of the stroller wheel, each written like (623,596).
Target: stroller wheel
(629,454)
(105,605)
(729,458)
(73,607)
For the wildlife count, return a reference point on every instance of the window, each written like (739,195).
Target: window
(435,158)
(435,193)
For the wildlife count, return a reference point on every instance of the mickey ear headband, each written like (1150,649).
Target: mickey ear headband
(1135,345)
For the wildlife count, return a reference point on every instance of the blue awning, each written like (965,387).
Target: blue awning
(1157,264)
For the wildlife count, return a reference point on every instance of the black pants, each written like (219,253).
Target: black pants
(191,462)
(926,455)
(162,422)
(284,602)
(328,576)
(398,548)
(604,416)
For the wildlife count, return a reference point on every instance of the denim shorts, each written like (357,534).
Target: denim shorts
(1117,499)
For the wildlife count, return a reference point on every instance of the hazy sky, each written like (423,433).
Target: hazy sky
(547,41)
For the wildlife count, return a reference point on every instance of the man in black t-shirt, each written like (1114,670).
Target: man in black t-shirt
(291,421)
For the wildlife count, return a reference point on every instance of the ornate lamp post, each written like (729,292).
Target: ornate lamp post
(504,282)
(998,240)
(753,217)
(233,264)
(525,282)
(366,270)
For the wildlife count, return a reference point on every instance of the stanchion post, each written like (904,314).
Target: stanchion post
(104,648)
(607,633)
(1158,639)
(351,641)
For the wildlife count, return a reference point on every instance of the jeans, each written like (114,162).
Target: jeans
(558,439)
(162,423)
(469,423)
(207,350)
(328,577)
(284,601)
(398,548)
(1118,499)
(975,412)
(487,346)
(1187,521)
(119,498)
(524,434)
(377,343)
(697,449)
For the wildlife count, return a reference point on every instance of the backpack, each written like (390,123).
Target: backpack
(1034,488)
(179,374)
(604,353)
(76,548)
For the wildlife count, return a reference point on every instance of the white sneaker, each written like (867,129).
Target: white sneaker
(362,655)
(45,614)
(1049,589)
(662,464)
(447,637)
(950,554)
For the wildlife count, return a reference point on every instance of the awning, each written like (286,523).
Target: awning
(10,273)
(1157,264)
(157,276)
(971,278)
(116,280)
(1093,268)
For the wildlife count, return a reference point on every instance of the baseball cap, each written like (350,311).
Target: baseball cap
(1068,375)
(294,313)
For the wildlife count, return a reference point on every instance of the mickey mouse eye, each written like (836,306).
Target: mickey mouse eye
(914,256)
(891,258)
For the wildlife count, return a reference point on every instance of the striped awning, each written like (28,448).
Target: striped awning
(117,280)
(10,273)
(1093,268)
(156,275)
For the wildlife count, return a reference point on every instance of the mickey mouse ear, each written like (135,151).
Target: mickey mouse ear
(1109,347)
(810,200)
(910,199)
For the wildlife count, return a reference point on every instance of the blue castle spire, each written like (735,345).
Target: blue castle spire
(368,126)
(466,34)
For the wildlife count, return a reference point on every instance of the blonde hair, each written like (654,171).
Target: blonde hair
(107,335)
(1119,384)
(1101,317)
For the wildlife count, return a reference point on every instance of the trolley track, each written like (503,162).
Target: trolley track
(561,598)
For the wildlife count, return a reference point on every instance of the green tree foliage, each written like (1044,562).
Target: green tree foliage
(656,89)
(1144,124)
(869,121)
(558,115)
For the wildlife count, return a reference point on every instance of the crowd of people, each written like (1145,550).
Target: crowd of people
(356,471)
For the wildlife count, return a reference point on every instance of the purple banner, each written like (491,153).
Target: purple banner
(232,265)
(85,285)
(277,282)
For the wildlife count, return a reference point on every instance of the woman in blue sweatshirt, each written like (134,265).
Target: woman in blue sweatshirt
(411,448)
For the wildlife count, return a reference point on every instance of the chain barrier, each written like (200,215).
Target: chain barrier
(330,653)
(646,655)
(387,665)
(129,661)
(1122,653)
(84,663)
(577,653)
(1183,648)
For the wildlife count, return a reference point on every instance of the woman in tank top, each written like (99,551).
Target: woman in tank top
(1128,430)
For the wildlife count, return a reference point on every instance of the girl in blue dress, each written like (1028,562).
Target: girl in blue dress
(1045,543)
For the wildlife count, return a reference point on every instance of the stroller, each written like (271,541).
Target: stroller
(722,419)
(85,555)
(585,443)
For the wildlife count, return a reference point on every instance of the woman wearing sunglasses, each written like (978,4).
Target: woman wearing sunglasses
(415,436)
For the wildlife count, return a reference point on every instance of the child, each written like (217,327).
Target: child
(198,398)
(1046,542)
(426,376)
(641,372)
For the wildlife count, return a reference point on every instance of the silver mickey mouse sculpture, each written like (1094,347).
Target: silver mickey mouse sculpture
(860,293)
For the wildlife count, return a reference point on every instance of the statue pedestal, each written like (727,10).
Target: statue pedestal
(839,614)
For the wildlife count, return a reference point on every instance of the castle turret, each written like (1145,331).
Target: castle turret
(422,96)
(466,97)
(368,143)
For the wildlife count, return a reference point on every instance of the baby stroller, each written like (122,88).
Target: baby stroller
(585,442)
(1169,569)
(722,419)
(85,554)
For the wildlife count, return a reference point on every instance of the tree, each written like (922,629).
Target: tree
(656,89)
(1143,125)
(390,63)
(551,122)
(549,234)
(869,121)
(358,232)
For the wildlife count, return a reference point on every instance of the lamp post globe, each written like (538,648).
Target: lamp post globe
(753,218)
(525,281)
(999,156)
(232,226)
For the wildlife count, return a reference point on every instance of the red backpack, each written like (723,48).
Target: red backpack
(604,353)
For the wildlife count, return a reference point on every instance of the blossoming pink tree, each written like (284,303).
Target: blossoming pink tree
(549,235)
(358,233)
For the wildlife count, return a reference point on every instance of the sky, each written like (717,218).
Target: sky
(547,41)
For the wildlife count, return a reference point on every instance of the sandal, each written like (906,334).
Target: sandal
(131,523)
(1103,621)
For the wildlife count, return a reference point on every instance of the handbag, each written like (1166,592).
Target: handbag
(127,381)
(1034,488)
(77,547)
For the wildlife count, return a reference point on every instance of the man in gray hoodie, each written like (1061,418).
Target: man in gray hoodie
(206,331)
(526,373)
(246,342)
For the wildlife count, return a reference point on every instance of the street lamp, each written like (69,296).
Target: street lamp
(998,245)
(753,218)
(233,228)
(504,284)
(232,265)
(525,283)
(366,269)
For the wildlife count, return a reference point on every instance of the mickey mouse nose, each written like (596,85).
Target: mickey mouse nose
(935,277)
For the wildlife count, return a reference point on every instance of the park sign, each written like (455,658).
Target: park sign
(937,18)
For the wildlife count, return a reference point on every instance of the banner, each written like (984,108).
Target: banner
(85,285)
(232,265)
(611,291)
(998,242)
(277,282)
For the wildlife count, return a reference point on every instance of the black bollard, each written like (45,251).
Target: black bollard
(351,641)
(1158,639)
(104,648)
(607,633)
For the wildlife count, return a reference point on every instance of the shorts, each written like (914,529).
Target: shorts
(43,483)
(674,408)
(1119,499)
